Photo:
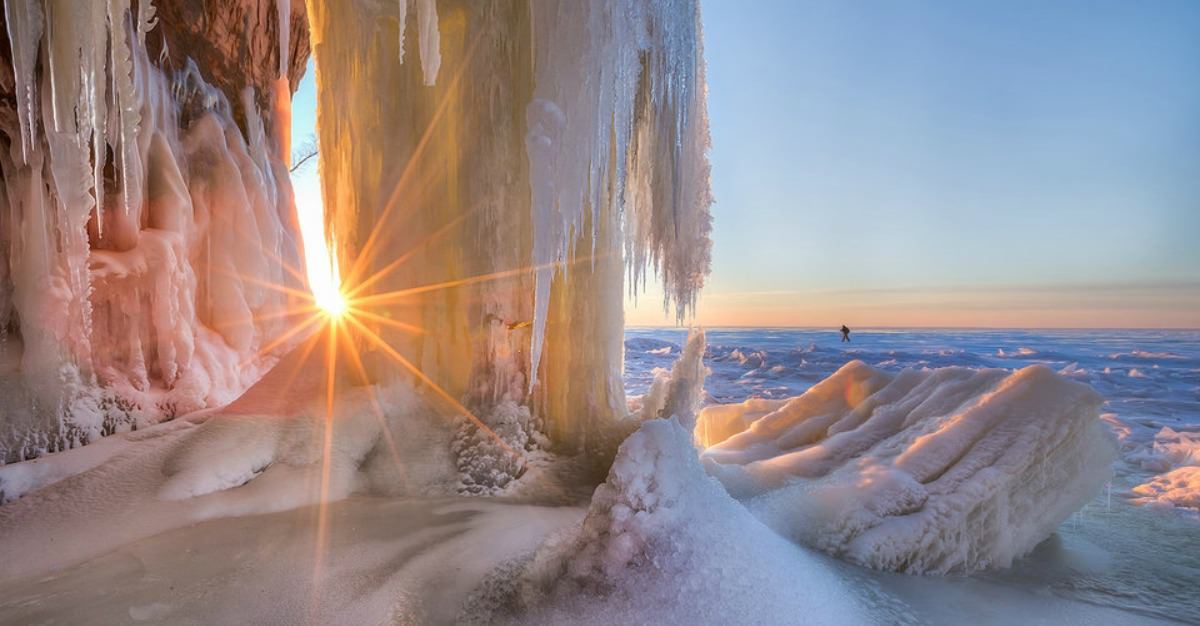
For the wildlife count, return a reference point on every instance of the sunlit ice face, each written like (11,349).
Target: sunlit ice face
(320,265)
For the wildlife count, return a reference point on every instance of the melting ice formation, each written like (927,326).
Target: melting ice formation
(946,470)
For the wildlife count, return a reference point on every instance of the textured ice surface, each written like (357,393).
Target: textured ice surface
(926,471)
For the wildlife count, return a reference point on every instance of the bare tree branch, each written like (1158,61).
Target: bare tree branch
(304,153)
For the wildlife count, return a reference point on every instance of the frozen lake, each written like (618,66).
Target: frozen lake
(1115,553)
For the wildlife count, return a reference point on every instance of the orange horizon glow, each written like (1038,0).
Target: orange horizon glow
(1049,307)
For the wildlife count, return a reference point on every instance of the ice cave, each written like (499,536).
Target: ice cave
(401,397)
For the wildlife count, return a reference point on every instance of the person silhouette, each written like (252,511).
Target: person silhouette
(845,333)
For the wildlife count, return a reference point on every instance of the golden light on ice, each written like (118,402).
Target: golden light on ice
(319,263)
(348,316)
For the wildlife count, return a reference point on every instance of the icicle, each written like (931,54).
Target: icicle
(139,286)
(128,105)
(403,20)
(67,37)
(283,10)
(146,20)
(546,124)
(95,90)
(668,195)
(164,54)
(24,19)
(431,40)
(75,57)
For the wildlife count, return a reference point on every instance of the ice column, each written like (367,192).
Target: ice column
(561,147)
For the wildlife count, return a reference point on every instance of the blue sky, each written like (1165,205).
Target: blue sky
(903,162)
(864,151)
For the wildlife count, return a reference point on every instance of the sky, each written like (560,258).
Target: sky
(911,163)
(892,163)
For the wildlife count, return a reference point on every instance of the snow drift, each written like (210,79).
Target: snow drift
(663,543)
(264,453)
(924,471)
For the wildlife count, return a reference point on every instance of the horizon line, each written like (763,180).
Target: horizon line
(870,328)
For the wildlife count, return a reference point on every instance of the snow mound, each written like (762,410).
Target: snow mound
(945,470)
(254,457)
(662,541)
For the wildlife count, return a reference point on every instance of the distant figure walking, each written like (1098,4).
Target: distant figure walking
(845,333)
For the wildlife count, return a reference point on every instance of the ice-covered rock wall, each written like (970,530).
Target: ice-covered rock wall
(145,209)
(510,164)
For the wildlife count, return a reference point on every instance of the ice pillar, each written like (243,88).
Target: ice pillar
(498,204)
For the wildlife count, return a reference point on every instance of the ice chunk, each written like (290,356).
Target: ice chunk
(677,392)
(941,470)
(1179,488)
(1178,447)
(1177,453)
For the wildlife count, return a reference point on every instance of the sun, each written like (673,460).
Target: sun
(334,305)
(331,302)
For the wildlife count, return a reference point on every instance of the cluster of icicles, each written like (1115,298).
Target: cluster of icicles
(619,104)
(139,227)
(591,60)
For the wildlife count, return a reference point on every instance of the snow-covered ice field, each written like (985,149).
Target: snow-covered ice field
(1136,547)
(211,518)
